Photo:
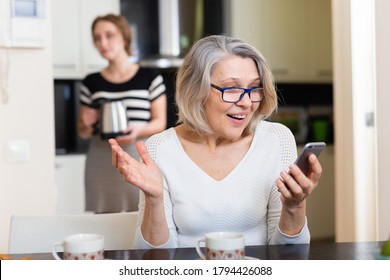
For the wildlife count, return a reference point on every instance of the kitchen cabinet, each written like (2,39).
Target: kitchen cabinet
(70,184)
(294,36)
(74,54)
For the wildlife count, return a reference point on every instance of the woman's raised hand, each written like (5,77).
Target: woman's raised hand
(144,174)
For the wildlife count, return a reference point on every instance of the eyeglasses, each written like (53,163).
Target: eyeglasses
(235,94)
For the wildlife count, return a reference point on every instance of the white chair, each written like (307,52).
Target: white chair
(36,234)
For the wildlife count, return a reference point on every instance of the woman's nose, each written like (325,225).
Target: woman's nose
(102,41)
(245,100)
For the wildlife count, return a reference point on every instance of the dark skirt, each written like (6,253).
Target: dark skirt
(106,191)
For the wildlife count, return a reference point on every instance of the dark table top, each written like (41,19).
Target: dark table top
(315,251)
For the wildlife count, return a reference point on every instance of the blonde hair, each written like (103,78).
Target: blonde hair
(121,23)
(193,81)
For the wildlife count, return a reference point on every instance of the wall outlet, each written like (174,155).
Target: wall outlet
(18,151)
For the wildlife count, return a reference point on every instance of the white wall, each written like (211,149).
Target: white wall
(27,187)
(363,102)
(382,10)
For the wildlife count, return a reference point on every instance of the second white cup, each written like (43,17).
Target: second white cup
(222,246)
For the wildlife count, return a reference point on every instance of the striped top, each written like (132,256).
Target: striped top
(137,94)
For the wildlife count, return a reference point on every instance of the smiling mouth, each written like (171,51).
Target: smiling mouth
(237,117)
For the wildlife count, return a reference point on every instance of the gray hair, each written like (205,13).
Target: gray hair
(193,80)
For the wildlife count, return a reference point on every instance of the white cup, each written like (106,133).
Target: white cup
(222,246)
(83,246)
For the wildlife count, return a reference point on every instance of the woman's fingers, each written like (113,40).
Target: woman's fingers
(282,188)
(127,166)
(289,187)
(294,186)
(316,168)
(143,152)
(114,152)
(118,156)
(299,181)
(143,174)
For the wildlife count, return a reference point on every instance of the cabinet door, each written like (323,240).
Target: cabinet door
(70,184)
(285,29)
(320,40)
(74,54)
(91,59)
(293,35)
(65,39)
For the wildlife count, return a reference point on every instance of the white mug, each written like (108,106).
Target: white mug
(83,246)
(222,246)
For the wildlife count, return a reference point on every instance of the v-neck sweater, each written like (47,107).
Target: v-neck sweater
(246,200)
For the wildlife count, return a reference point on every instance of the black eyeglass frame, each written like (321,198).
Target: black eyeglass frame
(246,90)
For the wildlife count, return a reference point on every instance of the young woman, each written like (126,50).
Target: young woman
(141,91)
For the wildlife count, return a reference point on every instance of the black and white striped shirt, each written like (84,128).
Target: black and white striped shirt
(137,94)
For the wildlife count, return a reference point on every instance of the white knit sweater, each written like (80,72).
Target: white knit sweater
(246,200)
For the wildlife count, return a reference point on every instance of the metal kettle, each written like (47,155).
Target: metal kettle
(113,119)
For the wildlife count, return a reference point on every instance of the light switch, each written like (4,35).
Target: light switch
(18,151)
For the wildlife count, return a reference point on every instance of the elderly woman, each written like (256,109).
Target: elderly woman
(223,168)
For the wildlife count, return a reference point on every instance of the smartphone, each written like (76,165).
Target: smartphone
(310,148)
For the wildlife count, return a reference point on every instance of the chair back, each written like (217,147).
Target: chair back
(36,234)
